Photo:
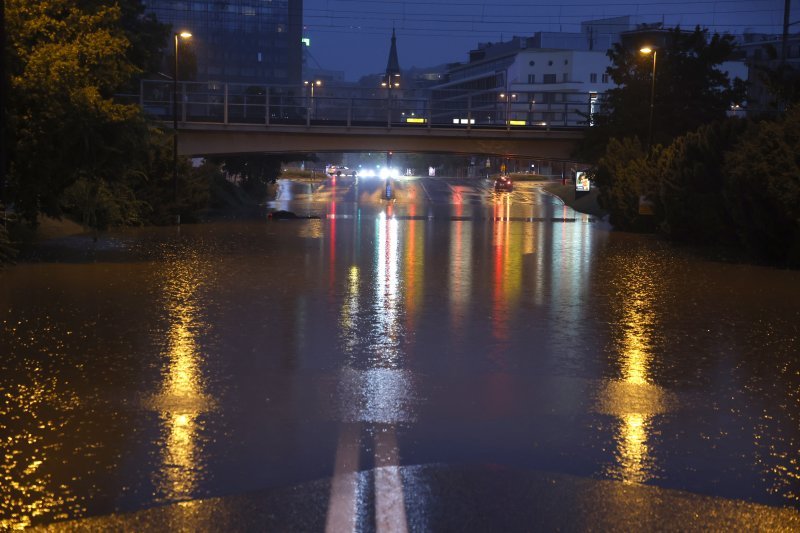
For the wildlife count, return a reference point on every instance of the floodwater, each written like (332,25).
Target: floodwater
(452,326)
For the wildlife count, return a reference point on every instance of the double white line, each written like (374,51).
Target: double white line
(343,506)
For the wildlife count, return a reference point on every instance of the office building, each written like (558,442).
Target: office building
(239,41)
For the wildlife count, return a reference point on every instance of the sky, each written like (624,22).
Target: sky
(354,35)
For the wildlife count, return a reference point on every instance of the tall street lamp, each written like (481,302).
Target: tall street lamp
(182,35)
(312,84)
(390,81)
(508,98)
(650,50)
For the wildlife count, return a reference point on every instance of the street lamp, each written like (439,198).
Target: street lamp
(648,50)
(390,81)
(182,35)
(507,98)
(312,84)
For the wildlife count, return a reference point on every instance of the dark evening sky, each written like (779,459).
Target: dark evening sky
(353,35)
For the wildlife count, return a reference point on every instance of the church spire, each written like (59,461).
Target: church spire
(393,65)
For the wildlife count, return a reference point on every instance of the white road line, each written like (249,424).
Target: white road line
(390,505)
(343,503)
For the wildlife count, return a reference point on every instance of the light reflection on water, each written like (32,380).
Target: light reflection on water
(182,399)
(386,337)
(634,398)
(379,396)
(386,325)
(29,483)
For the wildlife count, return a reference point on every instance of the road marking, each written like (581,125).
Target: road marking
(343,503)
(390,505)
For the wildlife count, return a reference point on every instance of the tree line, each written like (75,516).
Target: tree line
(72,147)
(707,177)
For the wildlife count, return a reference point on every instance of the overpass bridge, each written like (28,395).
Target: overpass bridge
(226,118)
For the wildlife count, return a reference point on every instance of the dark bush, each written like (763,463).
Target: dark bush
(763,191)
(692,181)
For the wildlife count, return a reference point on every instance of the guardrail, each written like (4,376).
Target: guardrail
(227,103)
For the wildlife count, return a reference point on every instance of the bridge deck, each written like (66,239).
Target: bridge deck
(210,138)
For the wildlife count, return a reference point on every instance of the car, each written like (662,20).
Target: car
(336,170)
(503,183)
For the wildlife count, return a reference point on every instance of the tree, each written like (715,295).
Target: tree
(623,176)
(692,182)
(67,59)
(763,193)
(781,80)
(690,90)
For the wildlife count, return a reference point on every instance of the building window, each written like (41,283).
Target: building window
(605,78)
(565,77)
(593,77)
(531,63)
(549,78)
(566,61)
(550,63)
(531,78)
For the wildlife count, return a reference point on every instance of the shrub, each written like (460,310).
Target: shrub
(691,183)
(623,175)
(763,192)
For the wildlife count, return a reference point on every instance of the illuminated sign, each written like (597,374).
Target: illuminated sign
(582,182)
(416,120)
(463,121)
(516,122)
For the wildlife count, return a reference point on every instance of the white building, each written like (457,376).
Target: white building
(516,84)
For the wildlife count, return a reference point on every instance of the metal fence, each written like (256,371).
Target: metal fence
(228,103)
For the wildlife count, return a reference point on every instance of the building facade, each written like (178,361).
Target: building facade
(239,41)
(516,83)
(764,53)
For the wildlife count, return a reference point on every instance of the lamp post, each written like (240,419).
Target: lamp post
(391,81)
(507,98)
(312,84)
(182,35)
(648,50)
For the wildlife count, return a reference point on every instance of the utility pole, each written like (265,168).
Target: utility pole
(4,86)
(785,42)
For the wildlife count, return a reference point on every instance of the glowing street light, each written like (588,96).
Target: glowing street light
(650,50)
(390,81)
(312,84)
(181,35)
(508,98)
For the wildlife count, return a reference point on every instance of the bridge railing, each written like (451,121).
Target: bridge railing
(227,103)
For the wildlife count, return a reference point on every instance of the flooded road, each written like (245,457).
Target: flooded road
(452,326)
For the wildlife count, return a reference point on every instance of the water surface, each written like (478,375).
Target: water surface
(451,326)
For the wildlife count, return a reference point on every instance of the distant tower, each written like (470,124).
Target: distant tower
(391,79)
